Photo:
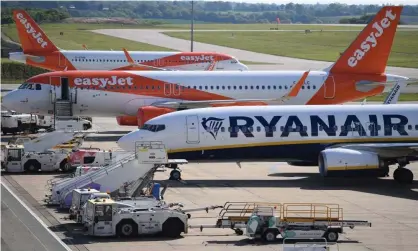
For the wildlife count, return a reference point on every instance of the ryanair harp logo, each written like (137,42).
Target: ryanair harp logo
(212,125)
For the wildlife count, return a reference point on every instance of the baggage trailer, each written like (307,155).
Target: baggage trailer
(290,220)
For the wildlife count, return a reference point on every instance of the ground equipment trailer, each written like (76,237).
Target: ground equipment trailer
(103,218)
(289,220)
(17,160)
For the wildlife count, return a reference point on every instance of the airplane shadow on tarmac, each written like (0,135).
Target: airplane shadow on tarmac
(312,181)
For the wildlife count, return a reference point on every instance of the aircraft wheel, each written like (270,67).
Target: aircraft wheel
(403,175)
(175,175)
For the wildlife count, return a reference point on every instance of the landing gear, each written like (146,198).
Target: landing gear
(176,173)
(403,175)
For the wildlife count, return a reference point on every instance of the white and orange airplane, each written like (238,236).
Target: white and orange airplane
(137,96)
(40,51)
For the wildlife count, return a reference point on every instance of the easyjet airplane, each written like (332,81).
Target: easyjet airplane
(341,139)
(136,96)
(38,50)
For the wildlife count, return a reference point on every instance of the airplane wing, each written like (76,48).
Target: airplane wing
(385,150)
(137,66)
(293,92)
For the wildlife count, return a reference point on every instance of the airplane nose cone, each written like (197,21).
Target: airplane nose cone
(127,142)
(10,101)
(243,67)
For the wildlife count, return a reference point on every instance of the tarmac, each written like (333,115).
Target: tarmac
(22,230)
(390,207)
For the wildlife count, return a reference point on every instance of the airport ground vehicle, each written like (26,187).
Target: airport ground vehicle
(17,123)
(80,196)
(102,220)
(17,160)
(289,220)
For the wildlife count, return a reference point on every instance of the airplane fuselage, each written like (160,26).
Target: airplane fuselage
(285,133)
(111,60)
(115,93)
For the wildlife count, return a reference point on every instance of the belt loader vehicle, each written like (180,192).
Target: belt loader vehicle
(291,220)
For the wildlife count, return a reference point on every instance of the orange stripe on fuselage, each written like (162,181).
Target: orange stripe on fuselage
(182,58)
(345,89)
(140,85)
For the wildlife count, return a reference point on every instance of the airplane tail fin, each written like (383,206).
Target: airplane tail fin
(31,36)
(369,52)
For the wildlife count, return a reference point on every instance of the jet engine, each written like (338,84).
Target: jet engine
(127,120)
(149,112)
(341,161)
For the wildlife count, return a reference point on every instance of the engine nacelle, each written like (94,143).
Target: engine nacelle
(341,161)
(127,120)
(149,112)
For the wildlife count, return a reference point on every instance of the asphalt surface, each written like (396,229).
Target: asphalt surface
(156,37)
(21,230)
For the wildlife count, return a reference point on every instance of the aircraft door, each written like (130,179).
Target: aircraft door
(167,89)
(176,89)
(62,61)
(329,90)
(192,124)
(65,89)
(55,92)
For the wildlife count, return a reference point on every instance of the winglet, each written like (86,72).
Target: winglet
(31,36)
(296,88)
(393,96)
(369,52)
(128,57)
(211,66)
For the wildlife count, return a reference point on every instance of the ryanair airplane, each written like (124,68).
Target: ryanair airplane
(340,139)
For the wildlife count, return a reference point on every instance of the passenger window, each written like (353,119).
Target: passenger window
(314,87)
(409,127)
(258,129)
(416,127)
(222,129)
(38,86)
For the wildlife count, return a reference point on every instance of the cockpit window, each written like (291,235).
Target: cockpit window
(153,128)
(234,61)
(28,86)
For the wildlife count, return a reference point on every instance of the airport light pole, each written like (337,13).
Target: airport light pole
(192,29)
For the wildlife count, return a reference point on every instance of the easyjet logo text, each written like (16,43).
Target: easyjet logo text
(197,58)
(372,40)
(103,82)
(31,31)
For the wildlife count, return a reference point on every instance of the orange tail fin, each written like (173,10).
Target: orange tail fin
(369,52)
(32,37)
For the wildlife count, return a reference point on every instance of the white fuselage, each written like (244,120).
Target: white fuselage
(111,60)
(275,132)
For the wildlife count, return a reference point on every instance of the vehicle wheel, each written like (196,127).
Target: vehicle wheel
(270,235)
(403,175)
(239,231)
(32,166)
(175,175)
(127,229)
(331,236)
(65,166)
(173,227)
